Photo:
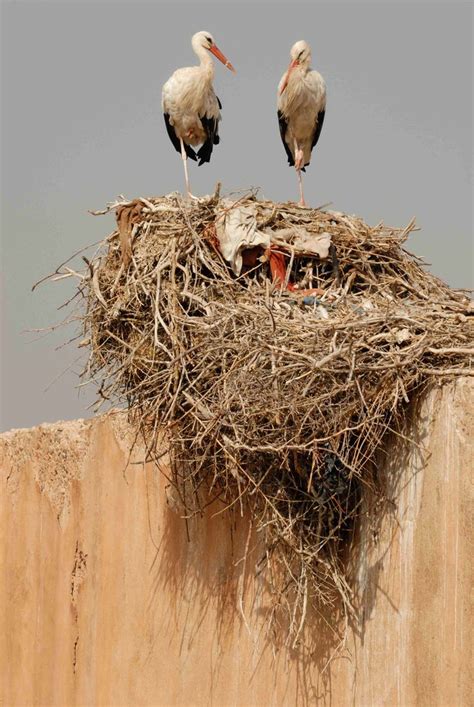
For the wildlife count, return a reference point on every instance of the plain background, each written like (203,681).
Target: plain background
(82,123)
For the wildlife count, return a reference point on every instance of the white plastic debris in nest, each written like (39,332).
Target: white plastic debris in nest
(236,229)
(301,241)
(402,335)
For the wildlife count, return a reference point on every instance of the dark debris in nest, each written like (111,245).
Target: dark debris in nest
(275,387)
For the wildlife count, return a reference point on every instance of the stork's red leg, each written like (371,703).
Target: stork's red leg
(299,164)
(300,181)
(185,163)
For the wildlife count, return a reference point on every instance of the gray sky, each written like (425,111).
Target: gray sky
(82,123)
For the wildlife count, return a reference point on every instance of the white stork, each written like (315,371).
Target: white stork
(301,106)
(190,106)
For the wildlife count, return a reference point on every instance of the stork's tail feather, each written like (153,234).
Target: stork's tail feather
(210,126)
(204,153)
(291,163)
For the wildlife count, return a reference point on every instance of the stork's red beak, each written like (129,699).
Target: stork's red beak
(292,66)
(219,55)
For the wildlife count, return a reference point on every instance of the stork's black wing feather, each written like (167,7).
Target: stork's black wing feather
(210,125)
(219,103)
(317,132)
(175,140)
(283,127)
(319,127)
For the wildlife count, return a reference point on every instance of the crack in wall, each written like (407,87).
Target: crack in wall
(78,574)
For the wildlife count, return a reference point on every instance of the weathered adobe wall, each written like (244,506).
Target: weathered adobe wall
(109,599)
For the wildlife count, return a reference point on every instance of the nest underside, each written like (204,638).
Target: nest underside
(268,396)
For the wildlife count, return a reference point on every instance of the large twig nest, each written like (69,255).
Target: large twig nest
(275,373)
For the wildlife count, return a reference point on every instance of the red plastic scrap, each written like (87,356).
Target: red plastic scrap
(278,270)
(278,267)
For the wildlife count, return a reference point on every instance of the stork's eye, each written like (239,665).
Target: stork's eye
(209,39)
(300,55)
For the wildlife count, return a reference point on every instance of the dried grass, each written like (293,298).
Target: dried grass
(268,398)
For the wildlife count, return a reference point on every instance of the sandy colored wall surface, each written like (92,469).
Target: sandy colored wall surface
(108,598)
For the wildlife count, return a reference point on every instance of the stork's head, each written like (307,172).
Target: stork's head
(300,57)
(300,53)
(205,40)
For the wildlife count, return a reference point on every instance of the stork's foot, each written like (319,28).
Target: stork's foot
(302,202)
(190,198)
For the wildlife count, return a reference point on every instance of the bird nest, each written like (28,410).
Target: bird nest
(274,372)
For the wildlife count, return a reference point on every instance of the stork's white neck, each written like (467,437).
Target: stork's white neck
(304,67)
(207,65)
(298,75)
